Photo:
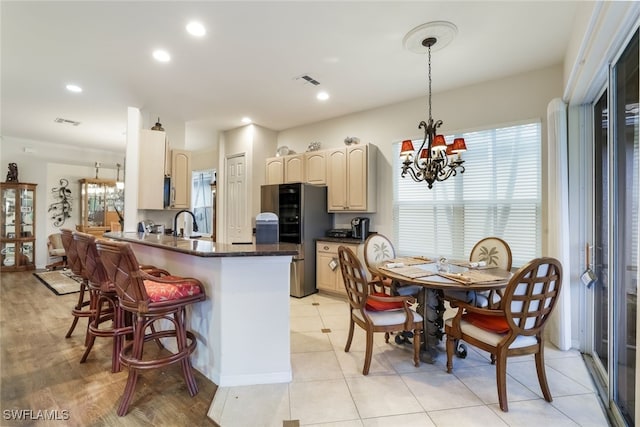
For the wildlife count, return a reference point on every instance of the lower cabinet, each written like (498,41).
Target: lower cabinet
(328,275)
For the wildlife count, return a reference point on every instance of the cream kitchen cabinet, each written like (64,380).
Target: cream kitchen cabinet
(151,169)
(316,167)
(294,166)
(157,163)
(351,179)
(275,170)
(180,179)
(328,275)
(285,169)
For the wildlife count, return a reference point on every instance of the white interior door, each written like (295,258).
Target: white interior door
(238,218)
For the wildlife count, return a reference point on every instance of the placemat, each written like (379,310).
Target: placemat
(408,271)
(473,276)
(410,260)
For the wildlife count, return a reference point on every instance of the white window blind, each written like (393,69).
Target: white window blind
(499,195)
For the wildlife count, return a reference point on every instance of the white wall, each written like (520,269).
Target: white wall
(256,143)
(492,103)
(265,144)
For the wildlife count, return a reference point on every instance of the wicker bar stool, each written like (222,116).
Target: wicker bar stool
(149,299)
(104,301)
(83,307)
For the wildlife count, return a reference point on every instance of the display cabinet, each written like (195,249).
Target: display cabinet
(98,206)
(18,226)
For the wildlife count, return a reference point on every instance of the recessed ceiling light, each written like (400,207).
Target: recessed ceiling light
(246,120)
(74,88)
(322,96)
(196,29)
(161,55)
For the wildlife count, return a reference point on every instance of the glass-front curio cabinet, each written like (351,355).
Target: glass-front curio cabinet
(18,226)
(98,206)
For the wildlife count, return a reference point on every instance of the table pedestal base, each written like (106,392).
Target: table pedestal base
(431,307)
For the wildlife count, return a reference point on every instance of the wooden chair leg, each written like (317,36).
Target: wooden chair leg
(350,336)
(182,337)
(136,353)
(118,337)
(542,374)
(416,347)
(77,312)
(451,344)
(73,326)
(501,379)
(368,353)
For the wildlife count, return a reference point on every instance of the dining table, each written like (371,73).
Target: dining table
(434,277)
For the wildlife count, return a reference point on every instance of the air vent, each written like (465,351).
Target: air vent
(66,121)
(309,79)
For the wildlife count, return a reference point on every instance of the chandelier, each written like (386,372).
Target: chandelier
(435,160)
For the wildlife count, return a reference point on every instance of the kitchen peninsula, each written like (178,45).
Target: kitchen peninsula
(242,328)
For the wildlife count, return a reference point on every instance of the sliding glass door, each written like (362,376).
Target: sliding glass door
(616,232)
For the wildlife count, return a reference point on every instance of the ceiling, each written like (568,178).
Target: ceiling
(249,61)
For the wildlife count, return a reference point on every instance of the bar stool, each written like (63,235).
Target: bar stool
(149,298)
(103,301)
(83,307)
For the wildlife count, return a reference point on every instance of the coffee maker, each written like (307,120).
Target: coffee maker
(360,228)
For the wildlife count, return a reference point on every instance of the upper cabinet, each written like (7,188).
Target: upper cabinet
(151,169)
(316,166)
(157,163)
(180,179)
(285,169)
(275,170)
(349,174)
(351,178)
(294,168)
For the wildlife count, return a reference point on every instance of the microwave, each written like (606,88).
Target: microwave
(166,203)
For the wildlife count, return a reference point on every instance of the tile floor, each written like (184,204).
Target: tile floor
(328,388)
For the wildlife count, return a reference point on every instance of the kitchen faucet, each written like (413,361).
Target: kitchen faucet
(175,221)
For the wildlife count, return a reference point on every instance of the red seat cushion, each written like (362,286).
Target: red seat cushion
(170,291)
(496,324)
(383,305)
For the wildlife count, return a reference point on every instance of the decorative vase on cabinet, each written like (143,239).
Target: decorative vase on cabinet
(18,229)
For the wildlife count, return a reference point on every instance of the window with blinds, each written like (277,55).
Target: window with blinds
(499,195)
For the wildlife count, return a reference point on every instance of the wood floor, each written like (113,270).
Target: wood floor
(41,374)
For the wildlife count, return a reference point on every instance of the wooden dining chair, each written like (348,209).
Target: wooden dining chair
(375,313)
(493,252)
(149,298)
(517,327)
(378,249)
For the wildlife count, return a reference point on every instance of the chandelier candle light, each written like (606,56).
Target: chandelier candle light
(435,160)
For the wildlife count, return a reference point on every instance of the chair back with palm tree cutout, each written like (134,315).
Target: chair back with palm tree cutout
(494,251)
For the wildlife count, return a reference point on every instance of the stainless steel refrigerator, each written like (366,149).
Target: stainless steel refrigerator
(302,218)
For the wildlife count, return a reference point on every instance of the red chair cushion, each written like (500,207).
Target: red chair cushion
(383,305)
(496,324)
(170,291)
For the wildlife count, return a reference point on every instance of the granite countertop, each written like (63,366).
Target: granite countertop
(203,247)
(340,240)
